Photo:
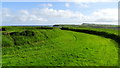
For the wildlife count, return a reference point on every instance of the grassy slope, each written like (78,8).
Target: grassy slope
(61,48)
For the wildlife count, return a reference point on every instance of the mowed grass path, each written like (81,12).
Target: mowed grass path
(67,48)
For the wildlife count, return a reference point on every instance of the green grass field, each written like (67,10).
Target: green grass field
(28,46)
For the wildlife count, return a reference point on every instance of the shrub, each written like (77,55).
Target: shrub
(7,41)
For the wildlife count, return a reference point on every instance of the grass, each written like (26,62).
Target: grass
(110,31)
(55,47)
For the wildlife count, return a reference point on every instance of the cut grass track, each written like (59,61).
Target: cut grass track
(62,48)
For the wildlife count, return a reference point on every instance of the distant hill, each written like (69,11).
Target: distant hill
(100,25)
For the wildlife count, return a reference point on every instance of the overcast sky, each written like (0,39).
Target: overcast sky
(48,13)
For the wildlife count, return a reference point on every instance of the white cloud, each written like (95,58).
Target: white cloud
(64,15)
(60,0)
(46,5)
(6,12)
(84,5)
(25,12)
(67,4)
(108,15)
(50,16)
(29,18)
(86,1)
(21,17)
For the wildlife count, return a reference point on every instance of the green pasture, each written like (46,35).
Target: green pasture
(32,46)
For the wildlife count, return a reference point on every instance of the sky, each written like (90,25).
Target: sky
(50,13)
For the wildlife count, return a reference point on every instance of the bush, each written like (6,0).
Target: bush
(7,41)
(27,33)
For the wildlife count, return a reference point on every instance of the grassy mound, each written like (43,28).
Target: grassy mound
(55,47)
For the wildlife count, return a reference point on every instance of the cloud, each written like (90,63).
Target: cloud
(60,0)
(86,1)
(21,17)
(67,4)
(29,18)
(58,13)
(84,5)
(26,16)
(64,15)
(108,15)
(6,12)
(53,16)
(46,5)
(25,12)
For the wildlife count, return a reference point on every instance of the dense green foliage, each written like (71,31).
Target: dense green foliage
(32,46)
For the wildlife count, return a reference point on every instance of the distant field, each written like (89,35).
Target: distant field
(51,46)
